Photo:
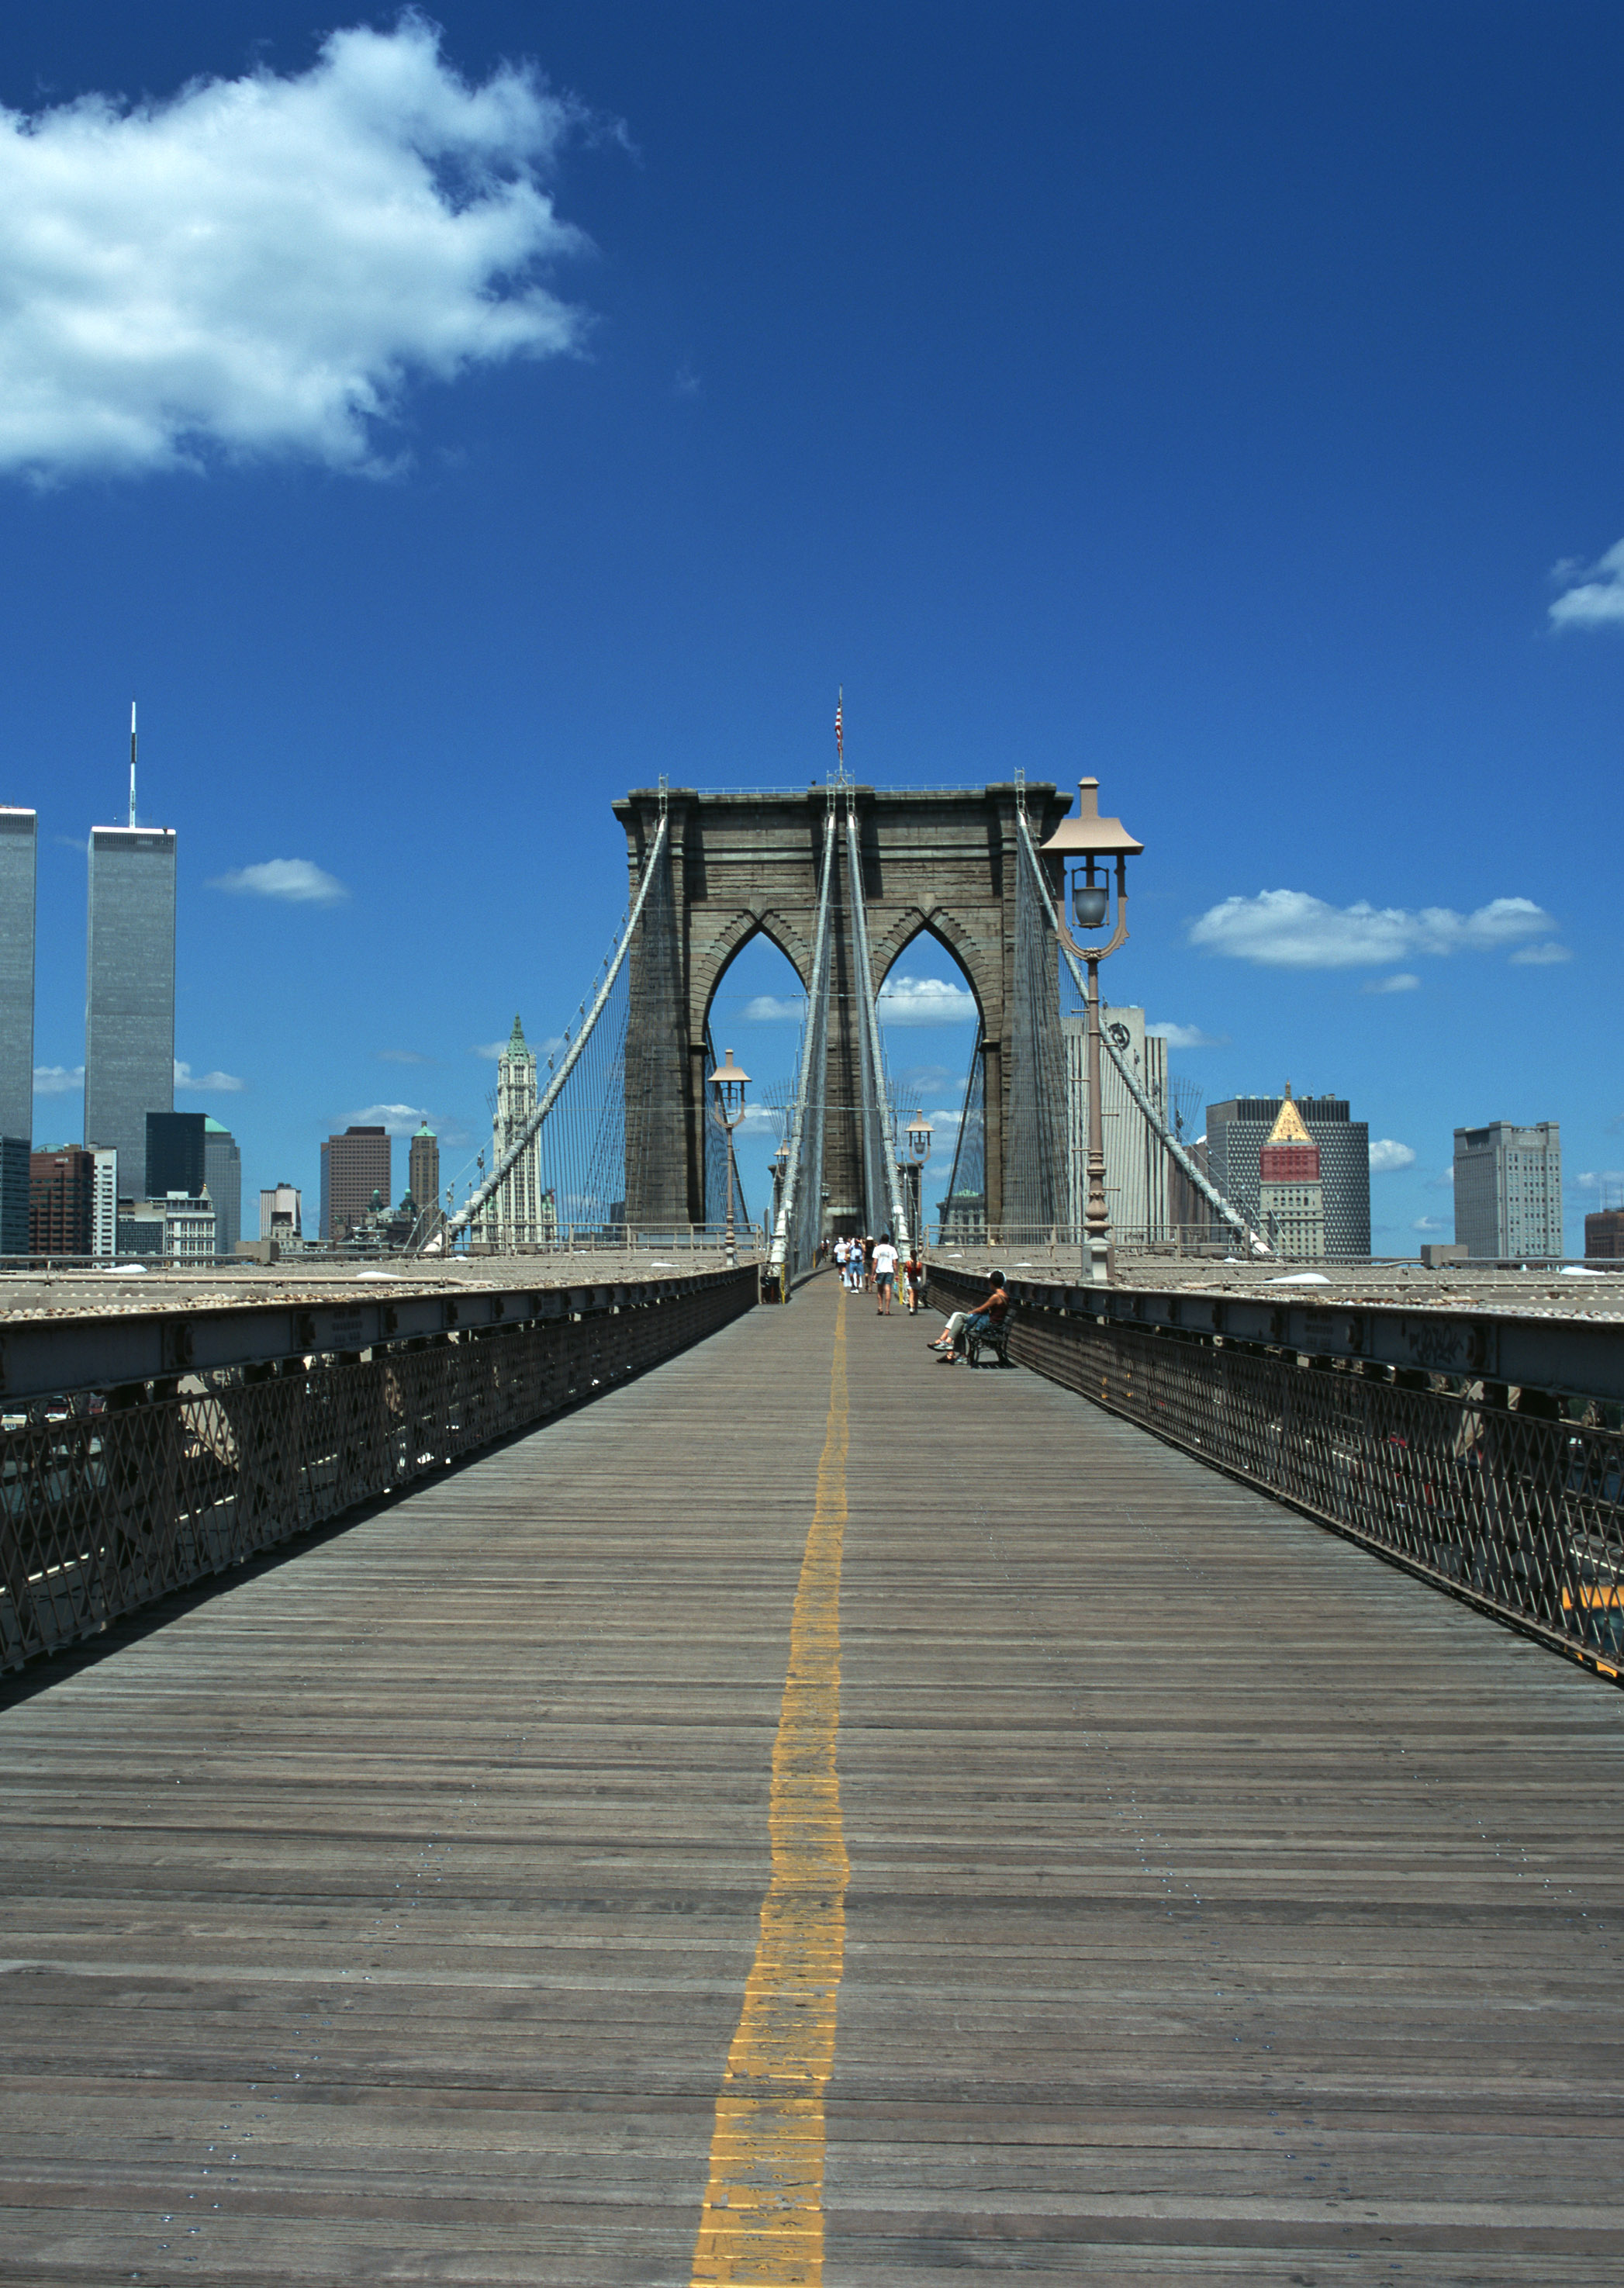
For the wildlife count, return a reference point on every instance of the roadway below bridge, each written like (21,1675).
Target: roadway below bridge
(811,1815)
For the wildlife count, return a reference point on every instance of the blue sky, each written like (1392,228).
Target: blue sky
(439,441)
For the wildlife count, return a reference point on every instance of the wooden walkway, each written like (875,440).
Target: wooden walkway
(1207,1903)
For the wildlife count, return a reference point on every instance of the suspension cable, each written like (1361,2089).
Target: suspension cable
(1233,1216)
(472,1206)
(882,1111)
(814,1042)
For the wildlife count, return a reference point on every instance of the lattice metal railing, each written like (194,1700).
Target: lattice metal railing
(1515,1510)
(104,1512)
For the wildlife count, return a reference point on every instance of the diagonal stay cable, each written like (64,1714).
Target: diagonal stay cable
(471,1206)
(881,1111)
(813,1043)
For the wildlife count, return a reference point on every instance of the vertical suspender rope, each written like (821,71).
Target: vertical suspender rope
(882,1113)
(814,1045)
(472,1207)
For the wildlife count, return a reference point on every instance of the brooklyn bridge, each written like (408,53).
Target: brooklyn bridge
(609,1765)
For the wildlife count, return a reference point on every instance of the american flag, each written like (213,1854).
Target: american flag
(840,743)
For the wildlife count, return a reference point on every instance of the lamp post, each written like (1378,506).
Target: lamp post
(729,1083)
(780,1164)
(919,1135)
(1086,846)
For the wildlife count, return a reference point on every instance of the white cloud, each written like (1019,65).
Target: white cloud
(258,266)
(924,1001)
(491,1049)
(1426,1223)
(1400,981)
(399,1119)
(1288,929)
(214,1083)
(1598,1180)
(296,880)
(1540,957)
(402,1057)
(1386,1155)
(773,1009)
(1596,601)
(1186,1036)
(58,1080)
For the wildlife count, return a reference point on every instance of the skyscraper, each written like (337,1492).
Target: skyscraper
(423,1170)
(18,843)
(518,1214)
(223,1174)
(353,1166)
(1237,1130)
(1507,1189)
(130,997)
(177,1153)
(282,1211)
(1290,1194)
(1136,1171)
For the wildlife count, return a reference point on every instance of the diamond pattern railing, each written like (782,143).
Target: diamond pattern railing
(1513,1508)
(101,1512)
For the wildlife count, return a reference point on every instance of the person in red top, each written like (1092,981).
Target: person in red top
(988,1313)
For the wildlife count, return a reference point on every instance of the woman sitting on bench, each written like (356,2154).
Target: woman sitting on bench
(987,1314)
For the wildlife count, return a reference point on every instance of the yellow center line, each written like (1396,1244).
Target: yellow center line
(762,2224)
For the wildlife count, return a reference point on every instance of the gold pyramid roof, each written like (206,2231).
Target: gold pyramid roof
(1289,1128)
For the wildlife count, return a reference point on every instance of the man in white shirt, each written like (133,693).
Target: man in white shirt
(885,1272)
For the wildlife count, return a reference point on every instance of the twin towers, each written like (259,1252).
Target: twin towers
(943,863)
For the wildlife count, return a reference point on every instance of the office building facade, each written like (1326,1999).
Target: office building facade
(18,843)
(1137,1197)
(104,1201)
(16,1194)
(1290,1193)
(353,1166)
(281,1213)
(1508,1190)
(422,1168)
(62,1201)
(1605,1234)
(222,1176)
(177,1153)
(1237,1130)
(130,990)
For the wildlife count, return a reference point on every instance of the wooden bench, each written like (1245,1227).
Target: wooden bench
(995,1339)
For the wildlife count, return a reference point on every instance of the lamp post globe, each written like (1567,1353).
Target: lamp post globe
(1090,848)
(729,1083)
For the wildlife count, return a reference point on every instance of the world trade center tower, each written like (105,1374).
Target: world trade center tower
(18,840)
(129,993)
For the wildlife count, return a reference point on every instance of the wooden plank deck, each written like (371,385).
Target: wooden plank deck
(1221,1906)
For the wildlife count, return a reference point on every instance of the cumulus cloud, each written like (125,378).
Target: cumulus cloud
(1599,1180)
(1595,602)
(1289,929)
(213,1083)
(773,1009)
(1385,1155)
(1426,1223)
(1185,1036)
(1402,980)
(58,1080)
(924,1001)
(1540,957)
(260,265)
(296,880)
(399,1119)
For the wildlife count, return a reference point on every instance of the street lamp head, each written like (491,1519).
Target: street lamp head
(729,1083)
(1087,845)
(919,1134)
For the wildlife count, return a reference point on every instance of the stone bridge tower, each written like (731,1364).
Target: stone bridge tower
(941,863)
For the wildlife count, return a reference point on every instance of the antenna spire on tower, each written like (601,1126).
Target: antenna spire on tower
(133,762)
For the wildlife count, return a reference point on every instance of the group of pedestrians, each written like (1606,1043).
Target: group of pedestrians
(874,1267)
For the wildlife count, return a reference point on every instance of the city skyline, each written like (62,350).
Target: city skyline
(1152,446)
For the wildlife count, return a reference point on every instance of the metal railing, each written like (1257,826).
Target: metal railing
(128,1494)
(1488,1491)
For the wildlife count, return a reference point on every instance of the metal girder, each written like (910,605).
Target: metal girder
(40,1357)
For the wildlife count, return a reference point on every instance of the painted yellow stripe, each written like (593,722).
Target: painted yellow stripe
(762,2226)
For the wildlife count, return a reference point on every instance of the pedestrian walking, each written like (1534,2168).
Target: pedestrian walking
(885,1272)
(913,1280)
